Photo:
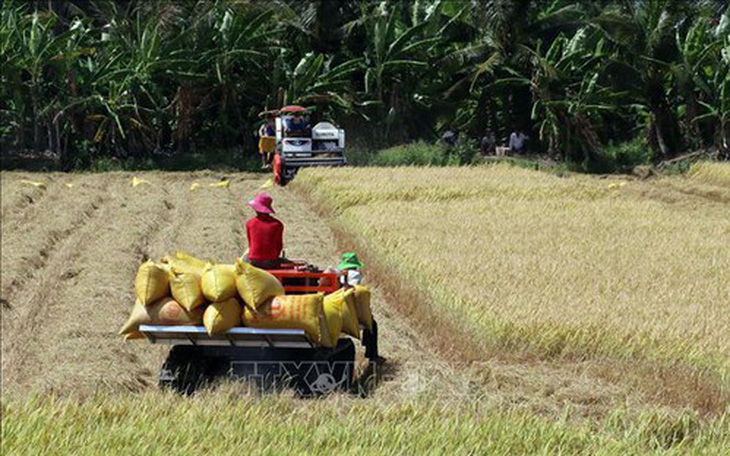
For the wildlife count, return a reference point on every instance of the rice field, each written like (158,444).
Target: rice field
(228,424)
(553,266)
(568,315)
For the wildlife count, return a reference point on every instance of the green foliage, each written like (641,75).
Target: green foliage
(138,79)
(622,157)
(464,152)
(421,153)
(417,153)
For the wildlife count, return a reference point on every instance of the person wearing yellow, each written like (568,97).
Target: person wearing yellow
(267,141)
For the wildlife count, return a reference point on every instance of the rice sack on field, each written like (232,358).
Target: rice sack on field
(152,282)
(362,305)
(186,263)
(255,286)
(219,282)
(221,316)
(290,312)
(185,288)
(166,311)
(343,301)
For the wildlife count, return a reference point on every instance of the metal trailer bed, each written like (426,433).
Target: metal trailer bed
(234,337)
(267,358)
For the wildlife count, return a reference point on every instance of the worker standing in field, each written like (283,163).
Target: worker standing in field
(265,234)
(267,140)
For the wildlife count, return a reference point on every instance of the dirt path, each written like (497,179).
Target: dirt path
(70,257)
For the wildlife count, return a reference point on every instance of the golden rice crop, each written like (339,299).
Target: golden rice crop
(222,424)
(713,173)
(551,264)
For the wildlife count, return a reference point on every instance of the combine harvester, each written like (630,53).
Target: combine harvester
(268,358)
(298,145)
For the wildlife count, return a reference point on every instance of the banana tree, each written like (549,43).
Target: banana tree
(712,75)
(33,67)
(396,62)
(570,102)
(643,33)
(317,80)
(125,97)
(235,44)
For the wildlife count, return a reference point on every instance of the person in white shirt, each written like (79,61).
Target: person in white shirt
(517,141)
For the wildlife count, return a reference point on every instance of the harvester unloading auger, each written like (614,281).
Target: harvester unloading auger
(297,144)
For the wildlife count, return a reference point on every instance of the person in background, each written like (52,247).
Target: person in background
(267,140)
(265,234)
(518,141)
(488,143)
(449,138)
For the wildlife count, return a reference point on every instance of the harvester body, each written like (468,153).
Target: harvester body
(299,145)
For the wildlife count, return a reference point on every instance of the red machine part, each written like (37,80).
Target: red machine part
(298,280)
(293,108)
(277,169)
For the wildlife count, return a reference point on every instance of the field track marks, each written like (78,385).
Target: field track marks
(412,366)
(163,221)
(199,223)
(681,192)
(216,212)
(27,247)
(23,201)
(17,196)
(74,311)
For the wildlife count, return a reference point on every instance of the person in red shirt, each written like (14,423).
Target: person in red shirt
(265,234)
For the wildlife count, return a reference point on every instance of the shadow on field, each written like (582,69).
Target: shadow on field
(374,374)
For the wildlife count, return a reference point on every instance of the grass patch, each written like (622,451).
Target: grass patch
(222,424)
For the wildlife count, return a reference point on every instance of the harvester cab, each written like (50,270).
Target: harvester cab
(299,145)
(266,358)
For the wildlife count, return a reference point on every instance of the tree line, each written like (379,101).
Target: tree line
(589,81)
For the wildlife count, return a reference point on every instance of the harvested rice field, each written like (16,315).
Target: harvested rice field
(520,312)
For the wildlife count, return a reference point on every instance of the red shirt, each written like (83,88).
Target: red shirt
(265,238)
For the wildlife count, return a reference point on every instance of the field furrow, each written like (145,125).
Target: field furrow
(19,199)
(62,317)
(27,246)
(69,301)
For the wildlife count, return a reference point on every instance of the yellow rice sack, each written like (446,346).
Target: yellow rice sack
(166,311)
(344,301)
(219,317)
(183,262)
(362,306)
(255,286)
(185,288)
(152,282)
(219,282)
(290,312)
(333,318)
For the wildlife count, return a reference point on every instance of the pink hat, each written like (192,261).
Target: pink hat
(262,203)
